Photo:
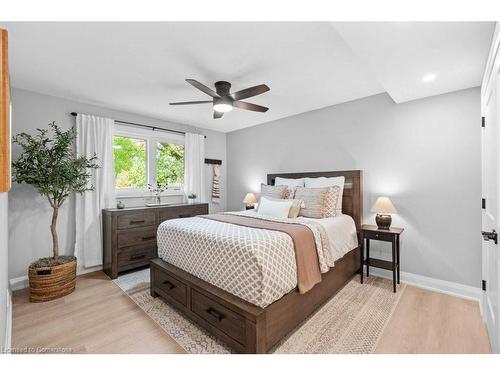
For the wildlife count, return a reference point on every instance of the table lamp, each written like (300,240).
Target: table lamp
(250,201)
(383,207)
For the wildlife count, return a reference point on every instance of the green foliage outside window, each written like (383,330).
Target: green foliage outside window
(170,164)
(130,163)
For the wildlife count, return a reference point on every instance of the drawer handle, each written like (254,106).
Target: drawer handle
(169,284)
(137,257)
(184,215)
(217,315)
(148,237)
(137,221)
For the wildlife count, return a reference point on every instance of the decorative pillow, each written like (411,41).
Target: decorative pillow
(279,208)
(274,191)
(330,208)
(321,182)
(290,183)
(295,209)
(314,201)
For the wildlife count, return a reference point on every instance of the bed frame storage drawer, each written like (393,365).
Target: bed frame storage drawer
(141,219)
(129,235)
(171,287)
(218,316)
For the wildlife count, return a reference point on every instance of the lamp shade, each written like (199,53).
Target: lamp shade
(250,199)
(383,205)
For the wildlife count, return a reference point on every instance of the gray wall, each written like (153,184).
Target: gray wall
(4,278)
(424,154)
(29,214)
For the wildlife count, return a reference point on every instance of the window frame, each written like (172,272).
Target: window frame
(152,139)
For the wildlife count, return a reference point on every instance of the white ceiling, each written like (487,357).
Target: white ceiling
(140,67)
(400,54)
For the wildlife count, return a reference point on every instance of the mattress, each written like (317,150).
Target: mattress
(257,265)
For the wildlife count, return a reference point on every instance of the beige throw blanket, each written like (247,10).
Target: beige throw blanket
(306,255)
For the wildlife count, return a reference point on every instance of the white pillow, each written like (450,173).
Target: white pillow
(292,183)
(274,208)
(321,182)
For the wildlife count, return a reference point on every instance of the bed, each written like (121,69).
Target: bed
(205,270)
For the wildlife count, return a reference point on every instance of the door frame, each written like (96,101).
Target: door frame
(492,66)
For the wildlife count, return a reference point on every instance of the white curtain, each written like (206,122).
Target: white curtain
(194,166)
(94,137)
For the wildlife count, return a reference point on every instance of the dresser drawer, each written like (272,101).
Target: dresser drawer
(218,316)
(172,287)
(137,236)
(379,236)
(180,212)
(135,256)
(141,219)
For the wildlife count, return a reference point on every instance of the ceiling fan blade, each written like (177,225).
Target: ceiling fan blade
(195,102)
(251,91)
(203,88)
(218,114)
(250,106)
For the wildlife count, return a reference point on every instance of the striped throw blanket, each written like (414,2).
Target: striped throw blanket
(216,184)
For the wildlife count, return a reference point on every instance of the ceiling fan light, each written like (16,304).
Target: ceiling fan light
(223,107)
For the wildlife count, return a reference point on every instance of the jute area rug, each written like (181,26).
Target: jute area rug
(351,322)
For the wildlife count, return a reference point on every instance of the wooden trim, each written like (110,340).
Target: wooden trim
(263,327)
(4,114)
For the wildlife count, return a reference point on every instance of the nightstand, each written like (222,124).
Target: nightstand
(372,232)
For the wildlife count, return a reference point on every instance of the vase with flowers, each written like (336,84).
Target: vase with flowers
(157,191)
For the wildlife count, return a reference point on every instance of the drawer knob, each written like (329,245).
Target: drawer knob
(148,237)
(136,221)
(169,284)
(216,314)
(184,215)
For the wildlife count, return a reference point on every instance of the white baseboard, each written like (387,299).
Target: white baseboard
(18,283)
(22,282)
(436,285)
(88,270)
(8,324)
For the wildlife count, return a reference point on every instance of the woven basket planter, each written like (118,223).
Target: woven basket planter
(51,282)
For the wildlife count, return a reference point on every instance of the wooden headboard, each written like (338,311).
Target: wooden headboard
(352,199)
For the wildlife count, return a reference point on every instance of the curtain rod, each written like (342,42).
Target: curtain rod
(145,126)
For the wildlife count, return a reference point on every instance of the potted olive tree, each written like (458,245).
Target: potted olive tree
(50,165)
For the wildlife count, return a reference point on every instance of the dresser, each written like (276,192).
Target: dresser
(129,235)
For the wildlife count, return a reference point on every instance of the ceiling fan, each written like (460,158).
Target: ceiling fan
(224,101)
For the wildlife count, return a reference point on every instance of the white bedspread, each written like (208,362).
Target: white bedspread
(254,264)
(341,231)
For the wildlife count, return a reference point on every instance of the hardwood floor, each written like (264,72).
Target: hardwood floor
(100,318)
(430,322)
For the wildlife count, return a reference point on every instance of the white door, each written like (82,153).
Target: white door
(490,107)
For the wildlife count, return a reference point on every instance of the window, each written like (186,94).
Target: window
(130,163)
(147,157)
(169,164)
